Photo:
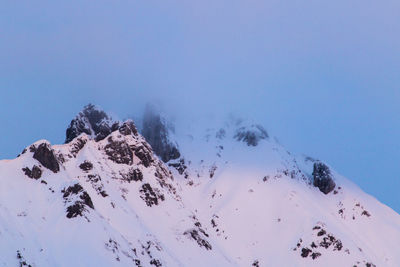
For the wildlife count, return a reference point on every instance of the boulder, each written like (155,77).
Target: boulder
(323,178)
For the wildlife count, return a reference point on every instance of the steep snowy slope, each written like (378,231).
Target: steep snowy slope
(87,203)
(265,206)
(232,197)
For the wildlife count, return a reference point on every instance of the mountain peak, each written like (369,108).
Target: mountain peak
(93,121)
(233,197)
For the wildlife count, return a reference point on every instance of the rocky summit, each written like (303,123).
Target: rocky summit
(226,194)
(92,121)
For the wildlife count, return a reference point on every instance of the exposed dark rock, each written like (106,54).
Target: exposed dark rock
(79,206)
(23,152)
(77,146)
(155,262)
(323,178)
(21,260)
(180,166)
(315,255)
(366,213)
(212,170)
(128,128)
(299,243)
(156,132)
(92,121)
(194,234)
(75,209)
(151,196)
(94,178)
(305,252)
(45,155)
(119,152)
(330,240)
(338,245)
(95,181)
(148,250)
(35,173)
(133,175)
(60,158)
(256,263)
(86,166)
(86,199)
(163,172)
(321,233)
(112,245)
(324,240)
(252,135)
(144,154)
(75,189)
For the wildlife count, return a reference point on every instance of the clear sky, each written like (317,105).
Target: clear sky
(322,76)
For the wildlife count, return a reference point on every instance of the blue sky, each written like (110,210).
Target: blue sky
(323,76)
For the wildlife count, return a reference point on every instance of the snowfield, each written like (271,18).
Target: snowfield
(232,196)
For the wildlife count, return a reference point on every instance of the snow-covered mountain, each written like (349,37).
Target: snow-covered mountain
(228,195)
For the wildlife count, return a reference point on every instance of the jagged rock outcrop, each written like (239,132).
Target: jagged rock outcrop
(92,121)
(79,198)
(119,151)
(35,173)
(251,135)
(128,128)
(45,155)
(323,178)
(156,132)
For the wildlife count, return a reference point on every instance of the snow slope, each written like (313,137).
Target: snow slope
(235,197)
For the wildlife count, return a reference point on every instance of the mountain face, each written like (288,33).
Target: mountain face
(233,197)
(157,132)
